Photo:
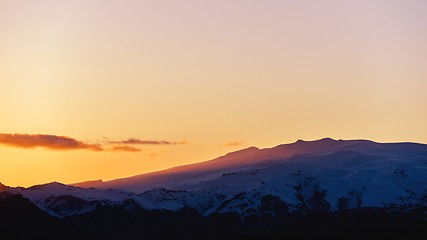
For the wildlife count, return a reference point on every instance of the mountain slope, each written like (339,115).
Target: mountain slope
(185,177)
(298,178)
(182,175)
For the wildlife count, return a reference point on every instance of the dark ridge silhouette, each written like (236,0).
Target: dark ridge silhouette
(21,219)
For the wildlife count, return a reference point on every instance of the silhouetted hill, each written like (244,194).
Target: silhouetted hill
(21,219)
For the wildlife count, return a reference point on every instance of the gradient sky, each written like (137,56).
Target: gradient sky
(105,89)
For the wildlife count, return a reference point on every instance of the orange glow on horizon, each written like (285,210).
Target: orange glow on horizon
(152,85)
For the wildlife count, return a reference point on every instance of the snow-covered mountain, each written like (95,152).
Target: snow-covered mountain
(302,177)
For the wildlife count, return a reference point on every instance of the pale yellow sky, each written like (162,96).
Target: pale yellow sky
(209,73)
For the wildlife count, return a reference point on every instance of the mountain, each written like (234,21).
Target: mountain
(304,177)
(177,176)
(185,176)
(326,159)
(337,181)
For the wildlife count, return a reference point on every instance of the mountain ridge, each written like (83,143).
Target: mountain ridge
(302,177)
(248,157)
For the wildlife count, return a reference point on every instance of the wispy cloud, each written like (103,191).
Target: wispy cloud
(61,143)
(147,142)
(232,144)
(125,149)
(52,142)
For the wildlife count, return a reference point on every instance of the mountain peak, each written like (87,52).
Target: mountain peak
(49,185)
(55,184)
(327,139)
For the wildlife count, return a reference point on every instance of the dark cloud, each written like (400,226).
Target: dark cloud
(47,141)
(125,149)
(146,142)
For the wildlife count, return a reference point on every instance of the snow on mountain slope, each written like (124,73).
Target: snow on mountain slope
(185,177)
(364,181)
(61,200)
(340,174)
(177,176)
(302,177)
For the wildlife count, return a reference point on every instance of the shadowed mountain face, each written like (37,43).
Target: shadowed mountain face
(194,173)
(329,150)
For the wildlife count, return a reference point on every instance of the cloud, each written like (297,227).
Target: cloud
(52,142)
(232,144)
(125,149)
(146,142)
(61,143)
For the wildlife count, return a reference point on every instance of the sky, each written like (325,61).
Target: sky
(107,89)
